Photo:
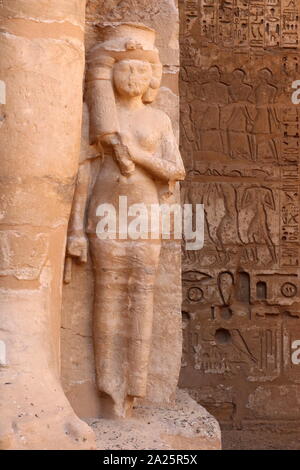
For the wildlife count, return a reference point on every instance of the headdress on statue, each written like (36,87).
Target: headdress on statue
(125,41)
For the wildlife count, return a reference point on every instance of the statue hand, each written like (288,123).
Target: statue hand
(77,246)
(120,153)
(124,160)
(110,139)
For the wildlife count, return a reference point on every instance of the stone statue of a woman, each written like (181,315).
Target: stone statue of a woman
(140,161)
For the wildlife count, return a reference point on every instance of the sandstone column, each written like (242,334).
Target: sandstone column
(41,63)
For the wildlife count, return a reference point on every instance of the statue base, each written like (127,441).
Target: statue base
(184,425)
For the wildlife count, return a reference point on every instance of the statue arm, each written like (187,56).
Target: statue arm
(166,166)
(163,170)
(77,241)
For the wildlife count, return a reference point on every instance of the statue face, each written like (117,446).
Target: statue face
(132,77)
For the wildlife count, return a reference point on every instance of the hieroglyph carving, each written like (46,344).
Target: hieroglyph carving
(240,144)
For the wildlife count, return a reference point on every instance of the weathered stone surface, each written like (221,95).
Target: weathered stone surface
(184,425)
(240,145)
(162,16)
(42,67)
(166,343)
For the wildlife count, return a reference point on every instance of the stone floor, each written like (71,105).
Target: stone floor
(260,440)
(183,426)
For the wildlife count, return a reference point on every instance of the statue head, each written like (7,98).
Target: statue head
(130,50)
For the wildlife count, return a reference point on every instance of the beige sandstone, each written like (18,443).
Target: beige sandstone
(123,112)
(240,146)
(182,425)
(140,163)
(77,349)
(41,64)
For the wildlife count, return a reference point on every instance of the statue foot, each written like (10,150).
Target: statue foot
(116,409)
(36,415)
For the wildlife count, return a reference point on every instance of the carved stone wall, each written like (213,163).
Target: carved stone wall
(240,145)
(77,348)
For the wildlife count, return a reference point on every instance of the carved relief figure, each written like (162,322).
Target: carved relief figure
(256,201)
(214,94)
(220,210)
(266,123)
(237,325)
(239,123)
(140,160)
(187,128)
(220,218)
